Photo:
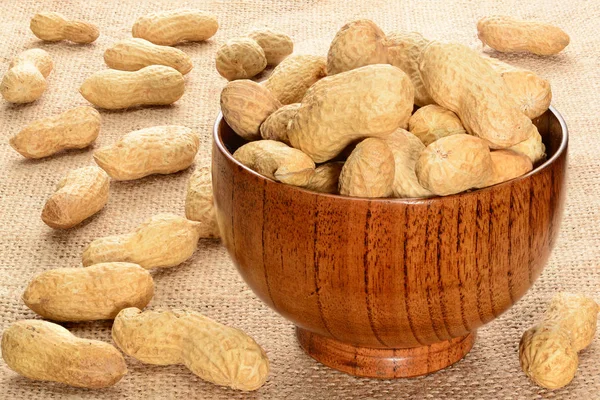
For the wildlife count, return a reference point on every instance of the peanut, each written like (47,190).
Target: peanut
(507,165)
(277,161)
(406,149)
(532,93)
(25,80)
(458,79)
(325,178)
(246,105)
(433,122)
(153,85)
(168,28)
(508,34)
(370,101)
(240,58)
(276,45)
(162,241)
(291,79)
(356,44)
(199,202)
(74,129)
(454,164)
(88,294)
(215,352)
(79,195)
(533,147)
(156,150)
(369,171)
(53,27)
(403,52)
(548,351)
(135,54)
(276,125)
(44,351)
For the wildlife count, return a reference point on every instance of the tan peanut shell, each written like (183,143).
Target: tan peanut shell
(533,147)
(79,195)
(162,241)
(356,44)
(215,352)
(291,79)
(454,164)
(44,351)
(577,314)
(240,58)
(369,171)
(277,161)
(114,90)
(199,202)
(403,52)
(168,28)
(135,54)
(76,128)
(406,149)
(88,294)
(433,122)
(508,34)
(507,165)
(25,80)
(532,93)
(276,125)
(246,105)
(458,79)
(370,101)
(53,27)
(276,45)
(156,150)
(325,178)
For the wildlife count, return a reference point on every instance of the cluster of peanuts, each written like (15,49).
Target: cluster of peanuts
(116,283)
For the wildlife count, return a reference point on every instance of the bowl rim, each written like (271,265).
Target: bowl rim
(412,200)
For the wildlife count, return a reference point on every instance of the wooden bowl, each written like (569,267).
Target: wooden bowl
(389,288)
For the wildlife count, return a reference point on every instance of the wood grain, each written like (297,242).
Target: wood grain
(389,274)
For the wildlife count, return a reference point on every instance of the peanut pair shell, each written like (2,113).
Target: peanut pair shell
(290,80)
(168,28)
(135,54)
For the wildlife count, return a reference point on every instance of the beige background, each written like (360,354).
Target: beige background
(209,282)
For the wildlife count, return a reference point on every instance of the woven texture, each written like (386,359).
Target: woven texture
(209,283)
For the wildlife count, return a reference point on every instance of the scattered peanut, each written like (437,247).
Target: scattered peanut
(88,294)
(290,80)
(433,122)
(277,161)
(79,195)
(199,202)
(508,164)
(325,178)
(240,58)
(53,27)
(135,54)
(162,241)
(25,80)
(458,79)
(276,125)
(508,34)
(215,352)
(356,44)
(548,351)
(74,129)
(454,164)
(245,106)
(369,171)
(403,52)
(168,28)
(276,45)
(370,101)
(44,351)
(533,147)
(153,85)
(156,150)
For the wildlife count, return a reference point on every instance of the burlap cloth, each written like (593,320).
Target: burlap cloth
(209,282)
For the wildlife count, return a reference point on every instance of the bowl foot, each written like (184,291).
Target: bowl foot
(384,363)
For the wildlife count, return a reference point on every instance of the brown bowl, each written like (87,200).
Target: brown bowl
(389,288)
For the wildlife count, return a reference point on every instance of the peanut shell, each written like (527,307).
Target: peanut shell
(276,45)
(433,122)
(291,79)
(135,54)
(168,28)
(25,80)
(240,58)
(276,125)
(326,177)
(199,202)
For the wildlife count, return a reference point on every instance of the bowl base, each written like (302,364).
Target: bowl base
(384,363)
